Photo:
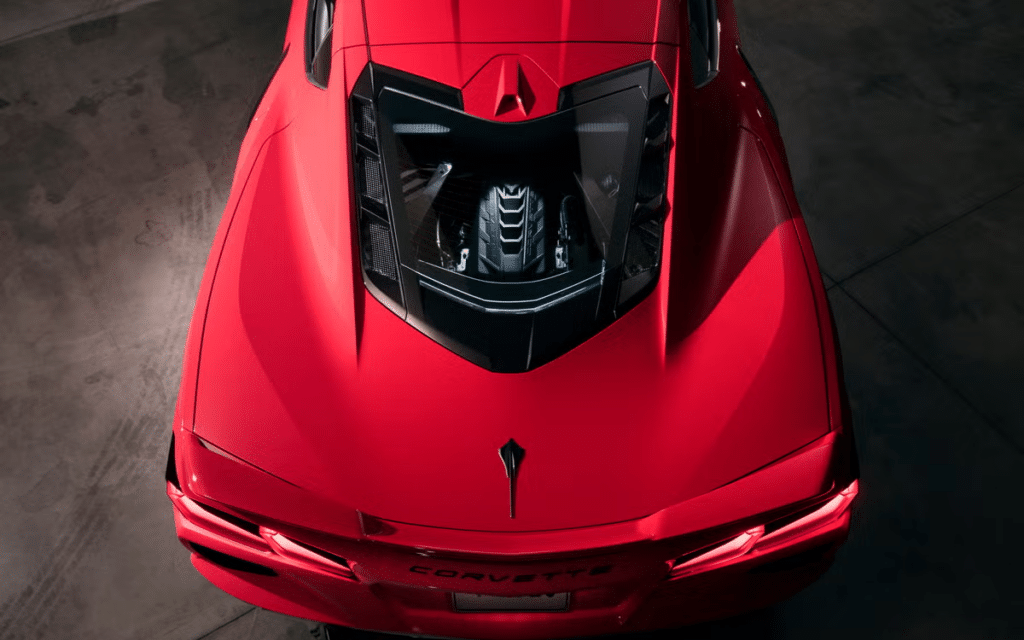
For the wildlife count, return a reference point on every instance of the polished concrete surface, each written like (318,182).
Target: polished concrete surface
(905,132)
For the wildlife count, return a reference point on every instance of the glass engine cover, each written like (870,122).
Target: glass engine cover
(510,243)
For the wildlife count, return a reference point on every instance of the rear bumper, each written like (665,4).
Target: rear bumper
(621,578)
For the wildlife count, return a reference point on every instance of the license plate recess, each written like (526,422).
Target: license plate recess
(542,602)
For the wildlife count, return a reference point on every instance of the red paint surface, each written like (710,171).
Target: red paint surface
(465,21)
(704,411)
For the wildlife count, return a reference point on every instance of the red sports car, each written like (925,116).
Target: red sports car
(512,329)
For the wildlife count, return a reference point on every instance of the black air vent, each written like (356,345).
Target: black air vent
(171,474)
(319,21)
(230,562)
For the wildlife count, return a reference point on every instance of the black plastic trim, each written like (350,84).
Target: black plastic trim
(230,562)
(642,74)
(171,473)
(713,50)
(789,519)
(308,52)
(376,77)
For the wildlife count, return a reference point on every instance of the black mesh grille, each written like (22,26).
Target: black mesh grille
(373,187)
(367,121)
(381,258)
(644,248)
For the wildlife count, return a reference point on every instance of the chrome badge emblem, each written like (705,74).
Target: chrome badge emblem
(511,456)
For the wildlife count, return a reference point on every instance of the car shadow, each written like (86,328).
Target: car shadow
(763,624)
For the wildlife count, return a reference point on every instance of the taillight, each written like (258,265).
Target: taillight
(718,555)
(827,513)
(298,550)
(756,541)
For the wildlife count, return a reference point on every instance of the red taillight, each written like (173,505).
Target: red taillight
(297,550)
(754,541)
(719,555)
(239,539)
(829,512)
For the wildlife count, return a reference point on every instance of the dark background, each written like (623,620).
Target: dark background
(904,125)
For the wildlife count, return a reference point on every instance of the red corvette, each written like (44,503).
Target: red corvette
(512,329)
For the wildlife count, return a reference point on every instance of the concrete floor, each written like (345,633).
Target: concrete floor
(905,132)
(20,19)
